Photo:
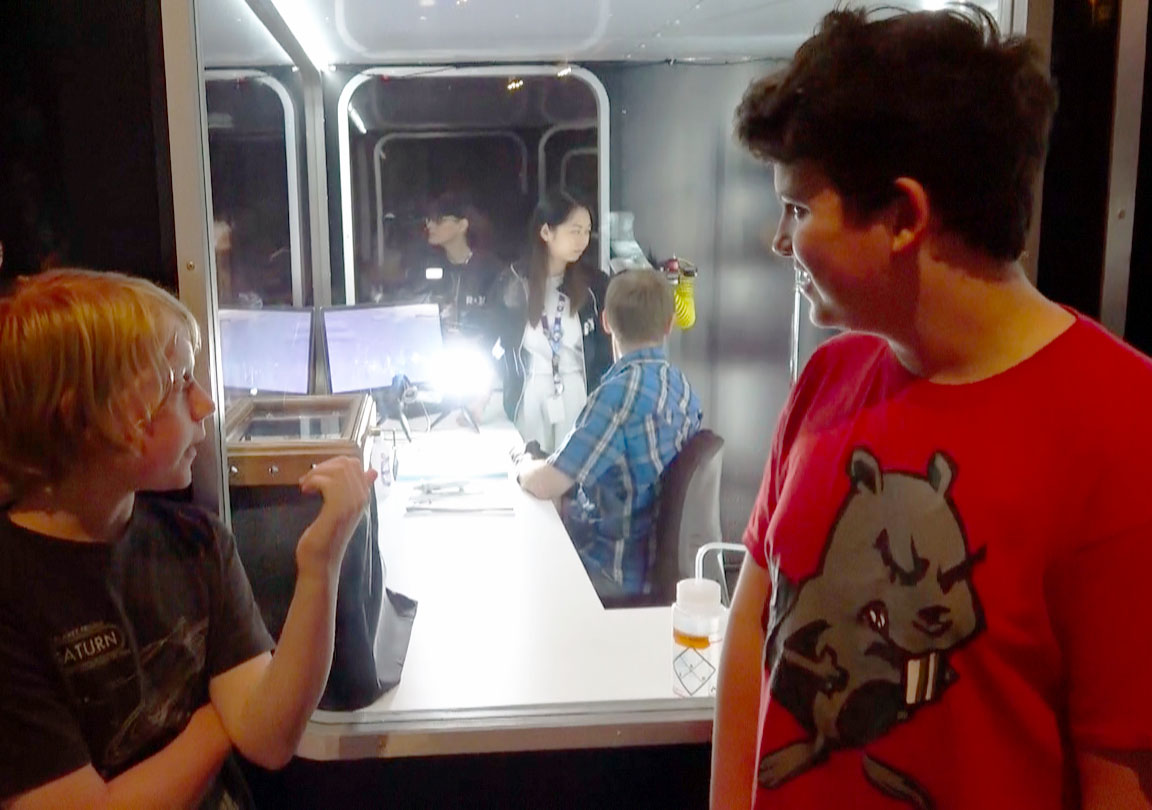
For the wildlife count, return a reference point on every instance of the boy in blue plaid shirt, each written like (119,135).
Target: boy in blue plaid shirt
(633,425)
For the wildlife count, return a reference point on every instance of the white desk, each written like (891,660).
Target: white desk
(511,649)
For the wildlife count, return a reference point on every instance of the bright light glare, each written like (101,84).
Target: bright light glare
(357,120)
(298,19)
(935,5)
(463,371)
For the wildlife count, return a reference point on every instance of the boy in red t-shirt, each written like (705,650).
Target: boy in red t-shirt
(943,601)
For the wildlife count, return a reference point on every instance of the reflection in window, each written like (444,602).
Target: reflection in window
(495,139)
(255,195)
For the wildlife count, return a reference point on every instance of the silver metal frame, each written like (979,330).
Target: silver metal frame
(312,77)
(581,150)
(493,54)
(1031,18)
(317,152)
(345,99)
(292,166)
(378,159)
(192,210)
(794,334)
(1127,106)
(1014,16)
(541,166)
(1034,18)
(368,734)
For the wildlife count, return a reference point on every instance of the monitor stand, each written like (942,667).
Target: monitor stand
(391,406)
(451,407)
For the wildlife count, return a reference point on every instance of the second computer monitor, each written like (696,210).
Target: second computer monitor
(368,346)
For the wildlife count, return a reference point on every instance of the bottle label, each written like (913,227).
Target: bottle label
(694,663)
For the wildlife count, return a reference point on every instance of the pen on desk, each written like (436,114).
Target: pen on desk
(443,487)
(395,460)
(461,510)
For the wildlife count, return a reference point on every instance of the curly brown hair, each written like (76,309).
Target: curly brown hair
(939,96)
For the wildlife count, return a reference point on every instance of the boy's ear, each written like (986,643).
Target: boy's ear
(134,421)
(604,321)
(668,327)
(912,210)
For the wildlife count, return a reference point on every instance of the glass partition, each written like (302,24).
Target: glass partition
(255,189)
(266,335)
(640,131)
(493,138)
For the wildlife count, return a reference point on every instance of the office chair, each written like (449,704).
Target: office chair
(689,513)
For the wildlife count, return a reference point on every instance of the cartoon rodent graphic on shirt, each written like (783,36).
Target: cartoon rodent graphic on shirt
(862,644)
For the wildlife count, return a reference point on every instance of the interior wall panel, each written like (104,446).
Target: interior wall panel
(697,193)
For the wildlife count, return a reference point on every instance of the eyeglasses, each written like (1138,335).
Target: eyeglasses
(443,218)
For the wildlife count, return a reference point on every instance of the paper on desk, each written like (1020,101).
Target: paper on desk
(454,455)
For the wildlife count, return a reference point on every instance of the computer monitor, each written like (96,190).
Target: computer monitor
(367,346)
(266,350)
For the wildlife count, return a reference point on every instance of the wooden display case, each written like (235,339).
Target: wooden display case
(272,441)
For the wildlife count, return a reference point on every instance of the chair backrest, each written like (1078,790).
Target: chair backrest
(689,513)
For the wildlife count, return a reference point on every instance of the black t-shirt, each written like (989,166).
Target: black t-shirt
(106,649)
(461,292)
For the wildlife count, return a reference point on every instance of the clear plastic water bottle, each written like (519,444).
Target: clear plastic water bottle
(698,621)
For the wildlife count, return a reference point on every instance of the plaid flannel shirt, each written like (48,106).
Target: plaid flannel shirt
(630,429)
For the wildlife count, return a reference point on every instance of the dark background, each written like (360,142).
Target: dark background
(84,163)
(85,181)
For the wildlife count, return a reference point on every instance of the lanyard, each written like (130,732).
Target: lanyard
(555,336)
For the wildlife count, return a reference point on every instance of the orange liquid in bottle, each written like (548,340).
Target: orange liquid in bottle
(694,642)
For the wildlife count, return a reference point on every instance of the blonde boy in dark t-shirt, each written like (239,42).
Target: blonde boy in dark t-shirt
(132,657)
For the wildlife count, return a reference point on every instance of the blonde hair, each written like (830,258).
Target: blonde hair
(78,349)
(639,306)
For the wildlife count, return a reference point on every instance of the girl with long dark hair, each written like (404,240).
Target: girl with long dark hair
(546,312)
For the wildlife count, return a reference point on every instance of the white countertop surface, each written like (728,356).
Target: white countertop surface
(510,645)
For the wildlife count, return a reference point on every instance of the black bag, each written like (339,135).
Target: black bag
(373,624)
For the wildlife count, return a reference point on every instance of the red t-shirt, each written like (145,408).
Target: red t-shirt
(962,578)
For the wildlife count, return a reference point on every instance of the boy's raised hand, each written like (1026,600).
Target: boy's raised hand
(345,486)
